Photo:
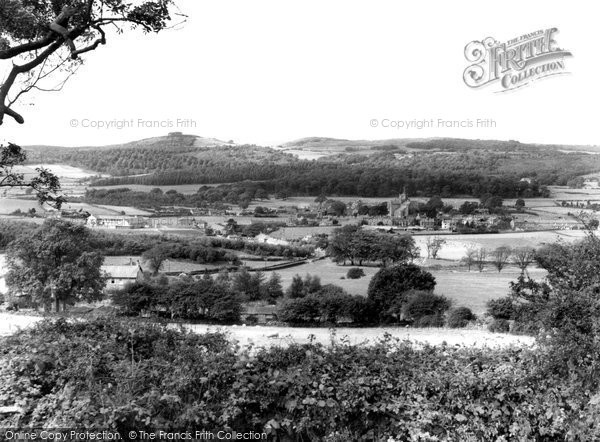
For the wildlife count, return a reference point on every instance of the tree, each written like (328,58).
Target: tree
(45,184)
(320,199)
(468,207)
(522,257)
(480,257)
(242,282)
(335,207)
(519,204)
(296,288)
(470,256)
(433,244)
(155,257)
(42,40)
(261,194)
(501,256)
(55,263)
(389,286)
(273,289)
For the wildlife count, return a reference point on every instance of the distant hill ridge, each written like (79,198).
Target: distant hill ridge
(176,139)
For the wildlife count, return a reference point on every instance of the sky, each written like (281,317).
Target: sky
(267,72)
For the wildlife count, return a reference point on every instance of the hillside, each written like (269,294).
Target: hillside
(441,166)
(173,152)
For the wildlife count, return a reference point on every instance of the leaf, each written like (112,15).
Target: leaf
(460,417)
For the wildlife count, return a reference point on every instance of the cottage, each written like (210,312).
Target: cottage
(266,239)
(116,222)
(258,313)
(118,276)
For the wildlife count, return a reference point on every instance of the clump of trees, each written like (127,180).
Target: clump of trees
(330,304)
(390,287)
(188,299)
(354,244)
(255,287)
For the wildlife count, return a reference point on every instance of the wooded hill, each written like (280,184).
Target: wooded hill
(446,167)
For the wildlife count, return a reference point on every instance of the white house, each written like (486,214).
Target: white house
(115,222)
(266,239)
(117,277)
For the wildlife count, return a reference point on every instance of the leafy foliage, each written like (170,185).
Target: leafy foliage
(355,273)
(389,286)
(124,376)
(459,317)
(56,262)
(357,245)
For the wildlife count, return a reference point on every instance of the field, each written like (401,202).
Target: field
(456,245)
(257,336)
(269,336)
(9,205)
(471,289)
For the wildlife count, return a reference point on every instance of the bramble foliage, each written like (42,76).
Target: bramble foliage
(124,376)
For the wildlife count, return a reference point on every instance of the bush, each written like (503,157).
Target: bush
(501,308)
(421,304)
(126,375)
(460,317)
(355,273)
(499,326)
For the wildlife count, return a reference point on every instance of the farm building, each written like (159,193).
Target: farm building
(117,277)
(116,222)
(259,313)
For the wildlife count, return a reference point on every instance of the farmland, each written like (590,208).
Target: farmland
(258,336)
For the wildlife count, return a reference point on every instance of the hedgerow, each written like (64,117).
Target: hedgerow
(134,376)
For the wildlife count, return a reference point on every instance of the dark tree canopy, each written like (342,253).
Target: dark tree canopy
(390,285)
(56,263)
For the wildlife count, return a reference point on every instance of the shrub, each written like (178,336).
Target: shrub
(126,375)
(460,317)
(501,308)
(361,310)
(421,304)
(355,273)
(499,326)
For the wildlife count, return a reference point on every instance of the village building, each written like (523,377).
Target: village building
(116,222)
(118,276)
(399,207)
(258,313)
(263,238)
